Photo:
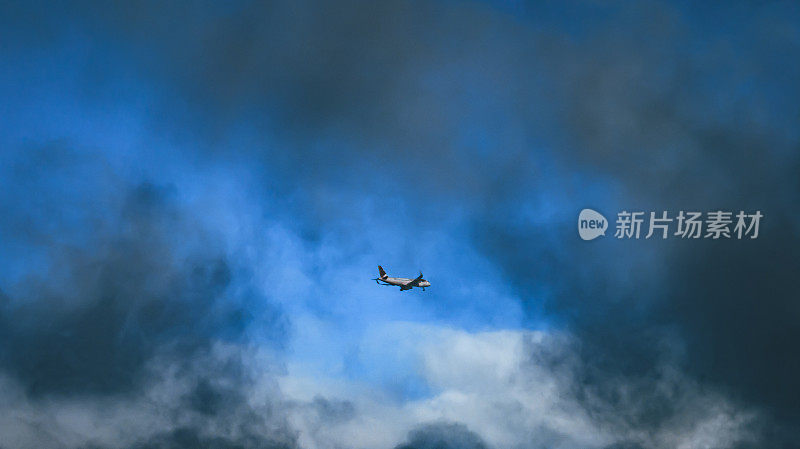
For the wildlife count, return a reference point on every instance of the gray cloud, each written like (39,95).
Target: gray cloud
(131,315)
(443,436)
(91,322)
(219,397)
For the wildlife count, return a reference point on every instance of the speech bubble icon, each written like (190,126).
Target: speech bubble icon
(591,224)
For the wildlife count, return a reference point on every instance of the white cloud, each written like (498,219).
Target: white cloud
(506,387)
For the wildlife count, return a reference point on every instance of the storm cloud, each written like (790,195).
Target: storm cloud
(119,310)
(443,435)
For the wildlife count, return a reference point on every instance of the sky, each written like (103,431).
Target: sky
(195,198)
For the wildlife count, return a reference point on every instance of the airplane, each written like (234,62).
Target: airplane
(403,283)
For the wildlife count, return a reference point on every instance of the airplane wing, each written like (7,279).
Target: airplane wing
(414,282)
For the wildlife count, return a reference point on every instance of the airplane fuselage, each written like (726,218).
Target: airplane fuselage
(401,282)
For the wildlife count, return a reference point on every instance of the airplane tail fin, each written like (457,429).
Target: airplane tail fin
(382,273)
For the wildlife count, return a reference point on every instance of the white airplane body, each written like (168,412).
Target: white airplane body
(403,283)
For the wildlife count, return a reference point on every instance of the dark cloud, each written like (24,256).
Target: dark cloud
(331,410)
(215,412)
(183,438)
(130,290)
(644,114)
(93,321)
(677,132)
(625,446)
(443,436)
(735,307)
